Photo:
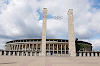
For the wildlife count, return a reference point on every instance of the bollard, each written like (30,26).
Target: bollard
(92,54)
(88,54)
(96,54)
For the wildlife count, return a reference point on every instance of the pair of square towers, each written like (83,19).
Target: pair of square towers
(71,36)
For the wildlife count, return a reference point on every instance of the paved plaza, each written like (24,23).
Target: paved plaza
(48,61)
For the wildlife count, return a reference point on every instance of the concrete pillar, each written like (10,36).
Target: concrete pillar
(36,47)
(18,47)
(9,53)
(18,53)
(29,47)
(65,48)
(72,49)
(53,49)
(84,53)
(22,47)
(14,47)
(26,53)
(96,54)
(43,52)
(39,54)
(32,47)
(49,48)
(61,49)
(30,53)
(88,54)
(34,53)
(13,53)
(92,54)
(4,53)
(99,54)
(25,47)
(80,54)
(10,47)
(57,49)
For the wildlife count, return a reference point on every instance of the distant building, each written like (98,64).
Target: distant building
(56,47)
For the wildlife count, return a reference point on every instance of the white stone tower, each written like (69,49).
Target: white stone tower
(71,36)
(43,51)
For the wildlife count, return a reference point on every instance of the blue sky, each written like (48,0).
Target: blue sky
(23,19)
(96,4)
(40,15)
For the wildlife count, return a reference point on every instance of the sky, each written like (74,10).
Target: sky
(22,19)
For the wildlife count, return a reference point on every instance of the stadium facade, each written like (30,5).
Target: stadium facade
(32,47)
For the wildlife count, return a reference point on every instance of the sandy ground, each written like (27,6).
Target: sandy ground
(48,61)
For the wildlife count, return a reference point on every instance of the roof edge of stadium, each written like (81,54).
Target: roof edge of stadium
(51,39)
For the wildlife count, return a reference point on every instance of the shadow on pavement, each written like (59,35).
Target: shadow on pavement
(8,63)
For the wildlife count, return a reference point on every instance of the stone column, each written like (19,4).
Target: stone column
(32,47)
(92,54)
(19,47)
(9,48)
(43,52)
(72,48)
(84,53)
(65,49)
(25,47)
(9,53)
(12,47)
(80,54)
(16,47)
(53,49)
(13,53)
(22,47)
(49,48)
(61,49)
(88,54)
(57,49)
(96,54)
(36,47)
(29,47)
